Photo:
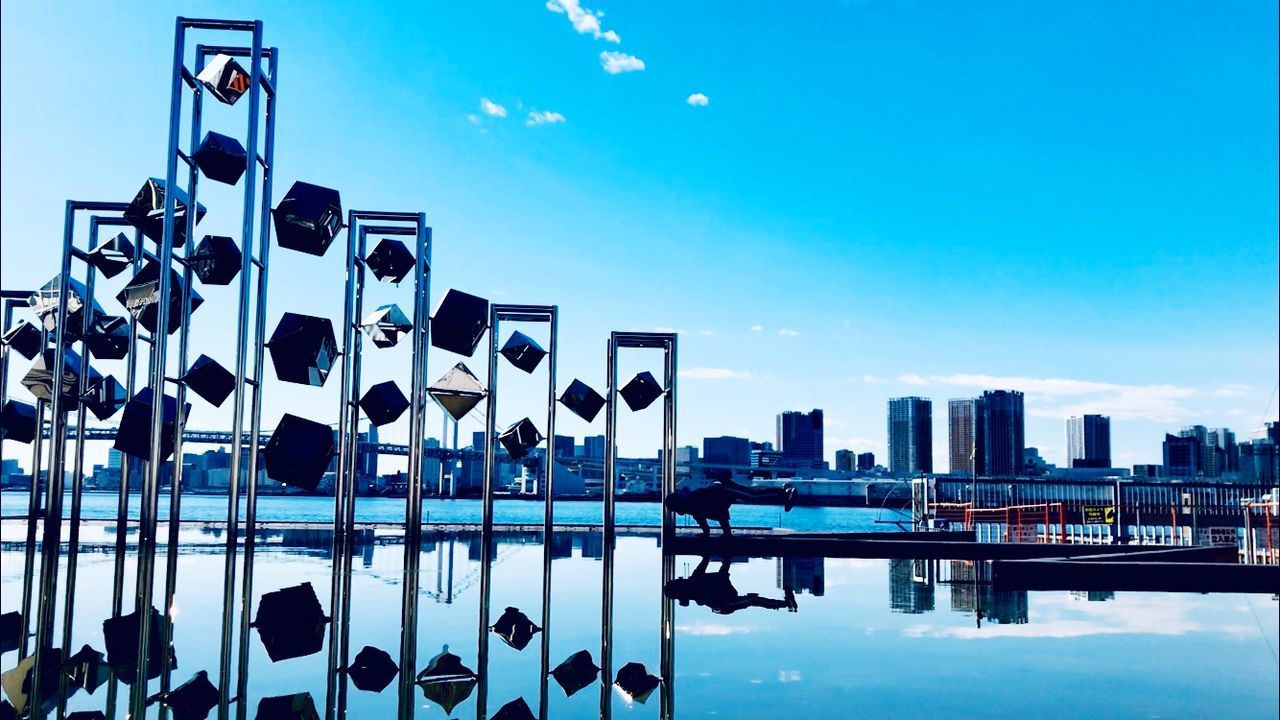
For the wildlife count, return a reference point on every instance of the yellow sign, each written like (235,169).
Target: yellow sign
(1099,515)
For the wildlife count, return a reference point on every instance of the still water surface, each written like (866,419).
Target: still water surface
(867,638)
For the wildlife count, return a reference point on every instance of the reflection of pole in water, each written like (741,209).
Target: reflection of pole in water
(482,640)
(606,627)
(667,709)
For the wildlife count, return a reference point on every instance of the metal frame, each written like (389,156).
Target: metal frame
(498,313)
(408,225)
(667,343)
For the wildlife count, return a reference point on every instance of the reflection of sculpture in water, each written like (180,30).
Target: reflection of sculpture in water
(716,591)
(712,502)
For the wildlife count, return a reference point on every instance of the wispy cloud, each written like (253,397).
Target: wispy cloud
(491,108)
(710,373)
(1063,397)
(698,100)
(544,117)
(757,328)
(473,119)
(788,332)
(1234,390)
(584,20)
(713,629)
(872,379)
(616,63)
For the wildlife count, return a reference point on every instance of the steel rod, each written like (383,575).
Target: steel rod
(548,514)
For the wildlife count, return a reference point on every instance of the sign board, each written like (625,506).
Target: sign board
(1217,536)
(1099,515)
(1187,503)
(1023,533)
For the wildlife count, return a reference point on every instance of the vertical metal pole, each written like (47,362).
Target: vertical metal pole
(413,502)
(260,329)
(667,627)
(548,515)
(610,482)
(486,522)
(51,542)
(33,515)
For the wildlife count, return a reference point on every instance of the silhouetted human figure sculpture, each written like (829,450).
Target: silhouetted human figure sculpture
(712,502)
(716,591)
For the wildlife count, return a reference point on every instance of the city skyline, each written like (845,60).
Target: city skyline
(930,265)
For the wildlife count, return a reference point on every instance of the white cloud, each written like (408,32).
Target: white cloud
(585,20)
(757,328)
(616,63)
(706,333)
(787,332)
(713,629)
(872,379)
(491,108)
(697,100)
(544,117)
(710,373)
(1231,390)
(1064,397)
(473,119)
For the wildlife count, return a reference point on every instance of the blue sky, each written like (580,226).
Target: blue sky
(1077,200)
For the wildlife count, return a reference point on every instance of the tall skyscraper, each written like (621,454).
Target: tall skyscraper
(1003,433)
(964,436)
(844,461)
(910,435)
(564,446)
(800,438)
(1089,441)
(1218,452)
(726,450)
(866,461)
(593,446)
(1182,456)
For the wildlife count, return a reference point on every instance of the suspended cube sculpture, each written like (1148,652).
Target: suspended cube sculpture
(44,302)
(390,261)
(520,438)
(121,634)
(308,218)
(24,338)
(105,398)
(445,681)
(209,380)
(457,391)
(221,158)
(146,212)
(39,379)
(85,715)
(517,709)
(459,322)
(17,681)
(582,400)
(225,79)
(17,423)
(298,706)
(576,672)
(133,437)
(290,622)
(10,631)
(387,326)
(384,403)
(523,352)
(193,699)
(515,628)
(635,683)
(216,260)
(303,349)
(299,452)
(372,670)
(112,257)
(141,297)
(87,670)
(641,391)
(108,337)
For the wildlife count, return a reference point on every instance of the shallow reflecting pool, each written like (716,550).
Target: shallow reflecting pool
(758,637)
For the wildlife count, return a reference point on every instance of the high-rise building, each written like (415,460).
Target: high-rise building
(964,436)
(564,446)
(1147,470)
(685,455)
(1089,441)
(593,447)
(866,461)
(1182,456)
(725,450)
(1003,433)
(800,438)
(844,461)
(910,435)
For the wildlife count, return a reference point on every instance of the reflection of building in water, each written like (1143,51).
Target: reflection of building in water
(802,574)
(972,592)
(592,545)
(910,586)
(561,544)
(1093,595)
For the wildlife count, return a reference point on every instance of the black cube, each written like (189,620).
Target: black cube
(308,218)
(299,452)
(209,380)
(146,212)
(221,158)
(303,349)
(133,437)
(216,260)
(459,322)
(384,403)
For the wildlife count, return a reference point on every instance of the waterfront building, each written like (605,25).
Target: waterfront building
(964,436)
(1182,456)
(1089,441)
(593,447)
(564,446)
(800,439)
(1003,433)
(1148,471)
(685,455)
(802,575)
(866,461)
(910,435)
(844,460)
(726,450)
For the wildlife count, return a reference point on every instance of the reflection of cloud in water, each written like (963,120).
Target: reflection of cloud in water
(713,629)
(1060,616)
(787,676)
